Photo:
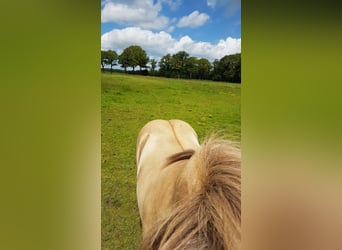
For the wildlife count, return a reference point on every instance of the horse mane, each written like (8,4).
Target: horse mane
(209,218)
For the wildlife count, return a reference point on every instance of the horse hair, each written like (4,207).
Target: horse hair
(211,217)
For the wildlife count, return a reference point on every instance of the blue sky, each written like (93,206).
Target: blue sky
(203,28)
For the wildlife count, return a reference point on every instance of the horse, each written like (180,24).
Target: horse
(189,194)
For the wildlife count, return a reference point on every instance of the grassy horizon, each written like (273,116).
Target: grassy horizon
(128,102)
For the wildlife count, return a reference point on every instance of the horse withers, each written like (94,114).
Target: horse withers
(188,194)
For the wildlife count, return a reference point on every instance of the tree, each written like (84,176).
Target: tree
(191,67)
(124,59)
(153,65)
(203,66)
(217,71)
(228,69)
(165,66)
(112,57)
(133,56)
(231,68)
(108,57)
(141,56)
(103,59)
(177,62)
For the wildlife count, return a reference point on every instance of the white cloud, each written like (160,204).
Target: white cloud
(230,6)
(222,48)
(174,4)
(158,44)
(211,3)
(195,19)
(208,50)
(155,44)
(143,13)
(171,28)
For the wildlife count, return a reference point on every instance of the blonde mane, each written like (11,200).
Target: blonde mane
(209,217)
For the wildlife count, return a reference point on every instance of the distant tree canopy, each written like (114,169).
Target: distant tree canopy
(108,57)
(133,56)
(153,65)
(179,65)
(204,67)
(165,66)
(227,69)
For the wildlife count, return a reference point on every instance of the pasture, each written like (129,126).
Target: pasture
(127,103)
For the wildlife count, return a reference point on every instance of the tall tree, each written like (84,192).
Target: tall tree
(126,58)
(133,56)
(153,64)
(217,71)
(165,66)
(178,62)
(108,57)
(112,57)
(231,68)
(204,67)
(103,59)
(191,67)
(141,56)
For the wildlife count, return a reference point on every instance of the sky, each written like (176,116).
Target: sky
(203,28)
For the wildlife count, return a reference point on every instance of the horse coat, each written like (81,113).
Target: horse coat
(156,142)
(174,170)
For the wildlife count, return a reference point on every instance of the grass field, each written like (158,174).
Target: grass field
(128,102)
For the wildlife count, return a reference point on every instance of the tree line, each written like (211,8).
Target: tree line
(178,65)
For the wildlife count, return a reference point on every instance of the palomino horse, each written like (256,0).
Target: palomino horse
(188,194)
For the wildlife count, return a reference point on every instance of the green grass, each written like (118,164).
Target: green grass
(128,102)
